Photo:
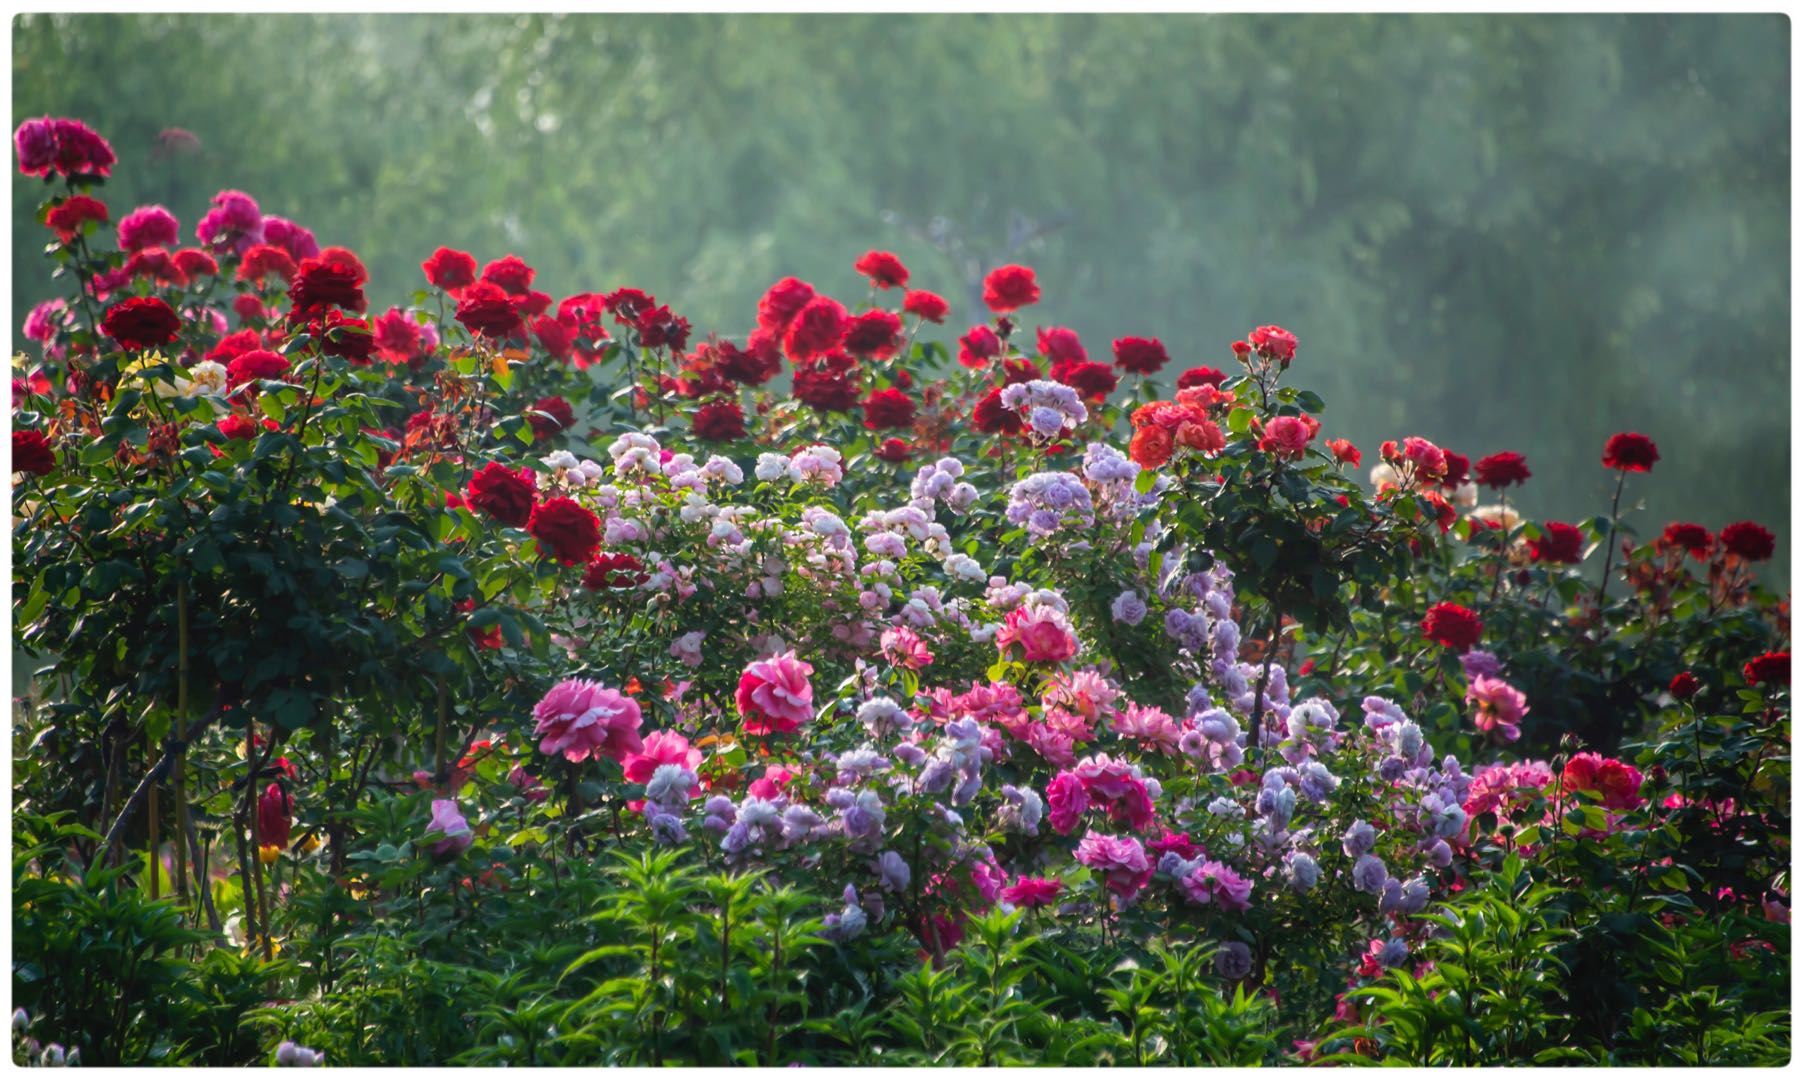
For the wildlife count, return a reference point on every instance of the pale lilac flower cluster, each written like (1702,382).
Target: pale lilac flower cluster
(940,482)
(1047,501)
(1047,407)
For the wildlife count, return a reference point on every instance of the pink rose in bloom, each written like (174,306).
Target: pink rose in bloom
(774,695)
(1286,437)
(1119,859)
(1274,342)
(1066,800)
(1618,782)
(661,748)
(456,829)
(903,647)
(285,234)
(1429,460)
(1500,706)
(581,719)
(770,785)
(148,227)
(66,147)
(398,337)
(528,784)
(1029,892)
(1214,882)
(1043,632)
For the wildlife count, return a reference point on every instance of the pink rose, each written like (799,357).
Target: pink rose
(1043,632)
(1120,859)
(1500,706)
(447,820)
(662,748)
(769,786)
(1032,892)
(774,696)
(581,719)
(1067,799)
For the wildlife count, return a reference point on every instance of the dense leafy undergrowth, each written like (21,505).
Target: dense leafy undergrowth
(497,680)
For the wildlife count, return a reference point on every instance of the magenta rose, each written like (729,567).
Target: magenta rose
(581,719)
(774,696)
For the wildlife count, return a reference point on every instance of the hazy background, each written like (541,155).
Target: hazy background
(1500,232)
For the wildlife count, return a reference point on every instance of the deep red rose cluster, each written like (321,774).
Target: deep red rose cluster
(1452,625)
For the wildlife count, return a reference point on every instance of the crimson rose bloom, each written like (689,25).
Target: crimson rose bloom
(978,347)
(753,365)
(660,327)
(874,335)
(1274,342)
(510,273)
(67,218)
(347,259)
(263,260)
(566,530)
(320,283)
(1748,540)
(349,338)
(193,263)
(554,336)
(1558,543)
(627,305)
(719,421)
(884,270)
(1684,686)
(1093,380)
(234,345)
(613,570)
(782,303)
(991,417)
(534,303)
(828,385)
(894,450)
(888,409)
(816,330)
(1060,345)
(486,309)
(1693,538)
(1458,469)
(1630,452)
(1345,452)
(929,306)
(1772,667)
(502,494)
(450,270)
(1010,288)
(142,322)
(1200,376)
(32,453)
(1502,469)
(549,416)
(255,364)
(241,427)
(1141,356)
(1453,626)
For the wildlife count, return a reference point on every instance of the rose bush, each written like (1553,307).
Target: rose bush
(497,681)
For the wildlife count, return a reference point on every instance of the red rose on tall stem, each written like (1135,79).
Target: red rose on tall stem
(1557,543)
(719,421)
(1453,626)
(320,283)
(32,453)
(925,305)
(486,309)
(1748,540)
(781,303)
(450,270)
(1772,667)
(1141,356)
(566,530)
(254,364)
(1010,288)
(817,329)
(1201,376)
(884,270)
(1691,537)
(873,335)
(1630,452)
(502,493)
(511,273)
(978,347)
(142,322)
(1502,469)
(889,408)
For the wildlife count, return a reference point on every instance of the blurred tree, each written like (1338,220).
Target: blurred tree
(1518,232)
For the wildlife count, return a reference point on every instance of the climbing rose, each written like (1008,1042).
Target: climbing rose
(32,453)
(450,270)
(1773,667)
(1630,452)
(774,695)
(1748,540)
(1502,469)
(566,530)
(141,322)
(1558,543)
(1009,288)
(884,270)
(1453,626)
(581,719)
(502,494)
(1141,356)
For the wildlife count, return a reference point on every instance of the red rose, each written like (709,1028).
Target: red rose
(153,263)
(32,453)
(501,493)
(1772,667)
(884,270)
(612,570)
(249,308)
(486,309)
(397,337)
(565,530)
(1344,451)
(1558,543)
(239,426)
(234,345)
(1060,345)
(894,450)
(888,409)
(1141,356)
(1200,376)
(549,416)
(1010,288)
(1693,538)
(627,305)
(450,270)
(828,384)
(553,336)
(320,283)
(1151,447)
(534,303)
(142,322)
(782,303)
(1502,469)
(929,306)
(67,217)
(754,365)
(510,273)
(991,417)
(266,259)
(978,347)
(349,338)
(1684,686)
(719,421)
(1458,469)
(1630,452)
(1093,380)
(1453,626)
(1019,371)
(816,330)
(660,327)
(194,263)
(1273,342)
(873,335)
(1748,540)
